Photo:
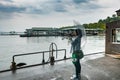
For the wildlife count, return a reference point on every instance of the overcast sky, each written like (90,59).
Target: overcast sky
(19,15)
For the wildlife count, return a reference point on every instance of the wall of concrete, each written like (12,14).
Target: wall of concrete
(111,46)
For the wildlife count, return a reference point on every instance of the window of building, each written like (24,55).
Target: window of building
(116,35)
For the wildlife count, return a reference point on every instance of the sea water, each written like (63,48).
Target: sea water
(12,45)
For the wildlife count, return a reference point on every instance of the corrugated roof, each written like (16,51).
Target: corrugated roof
(42,28)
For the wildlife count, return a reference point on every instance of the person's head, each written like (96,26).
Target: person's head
(78,32)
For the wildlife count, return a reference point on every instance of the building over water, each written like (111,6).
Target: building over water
(40,31)
(48,31)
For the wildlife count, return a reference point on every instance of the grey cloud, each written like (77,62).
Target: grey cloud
(47,6)
(59,1)
(60,7)
(8,0)
(4,16)
(80,1)
(56,6)
(87,5)
(92,6)
(80,5)
(11,9)
(33,10)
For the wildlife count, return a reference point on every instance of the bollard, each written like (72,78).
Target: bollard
(64,57)
(13,66)
(43,61)
(52,60)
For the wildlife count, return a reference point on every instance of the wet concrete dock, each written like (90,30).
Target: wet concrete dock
(94,67)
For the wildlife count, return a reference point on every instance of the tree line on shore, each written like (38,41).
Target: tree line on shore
(102,22)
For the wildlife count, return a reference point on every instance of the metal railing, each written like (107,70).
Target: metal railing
(14,67)
(51,57)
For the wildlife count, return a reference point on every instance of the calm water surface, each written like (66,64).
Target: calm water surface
(11,45)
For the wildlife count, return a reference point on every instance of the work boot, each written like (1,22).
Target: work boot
(74,78)
(79,78)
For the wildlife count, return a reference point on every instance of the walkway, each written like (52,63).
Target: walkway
(94,67)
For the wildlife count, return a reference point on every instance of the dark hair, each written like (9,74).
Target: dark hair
(79,32)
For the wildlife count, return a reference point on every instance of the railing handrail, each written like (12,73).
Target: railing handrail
(14,67)
(37,52)
(51,49)
(41,52)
